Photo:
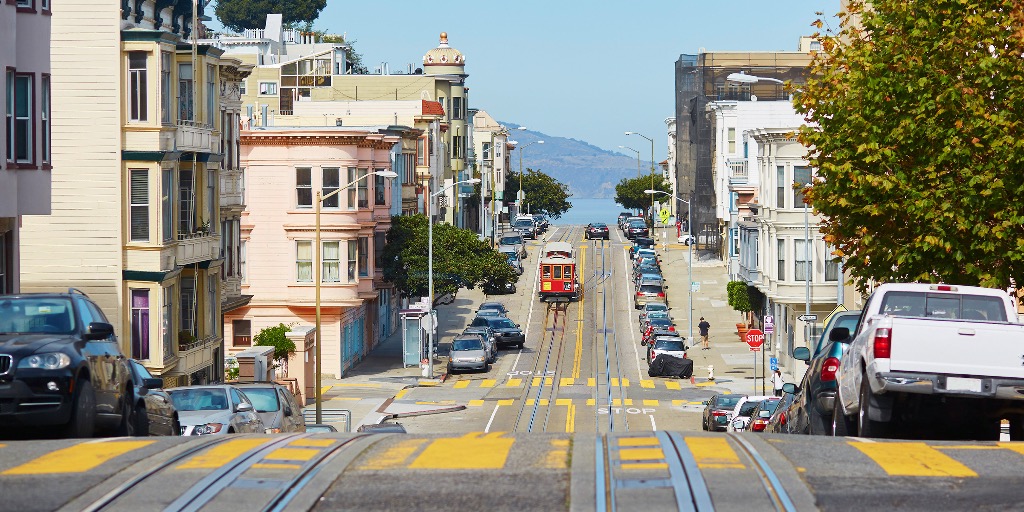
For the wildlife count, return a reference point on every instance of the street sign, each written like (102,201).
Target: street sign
(695,286)
(769,328)
(755,338)
(755,349)
(520,196)
(769,320)
(807,318)
(774,362)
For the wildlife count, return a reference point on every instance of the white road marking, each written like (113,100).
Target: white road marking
(529,317)
(862,440)
(629,320)
(654,426)
(493,414)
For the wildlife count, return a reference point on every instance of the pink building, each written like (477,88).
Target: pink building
(284,168)
(25,130)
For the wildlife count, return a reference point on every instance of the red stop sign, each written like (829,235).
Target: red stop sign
(755,338)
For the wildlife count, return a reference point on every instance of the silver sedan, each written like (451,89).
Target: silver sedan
(215,410)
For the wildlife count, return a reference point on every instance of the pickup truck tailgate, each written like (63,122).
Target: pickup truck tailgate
(957,347)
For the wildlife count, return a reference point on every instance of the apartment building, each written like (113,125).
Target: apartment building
(26,131)
(490,160)
(139,141)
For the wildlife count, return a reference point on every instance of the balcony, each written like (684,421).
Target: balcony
(194,136)
(232,192)
(197,247)
(737,171)
(195,353)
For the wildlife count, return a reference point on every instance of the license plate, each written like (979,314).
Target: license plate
(961,384)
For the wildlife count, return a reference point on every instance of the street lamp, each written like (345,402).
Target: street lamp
(637,151)
(743,78)
(689,245)
(652,171)
(521,194)
(430,269)
(318,264)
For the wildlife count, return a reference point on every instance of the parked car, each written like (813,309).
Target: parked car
(718,412)
(499,287)
(674,346)
(276,405)
(487,337)
(660,315)
(506,332)
(514,241)
(646,252)
(526,227)
(643,279)
(636,228)
(514,260)
(741,412)
(652,307)
(61,365)
(815,396)
(649,293)
(761,414)
(658,323)
(497,306)
(542,221)
(215,410)
(154,413)
(597,230)
(319,428)
(781,421)
(468,352)
(645,269)
(641,242)
(622,217)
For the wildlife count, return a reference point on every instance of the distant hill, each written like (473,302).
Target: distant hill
(588,170)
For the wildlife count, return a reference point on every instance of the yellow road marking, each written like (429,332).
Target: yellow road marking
(563,401)
(262,465)
(706,383)
(488,383)
(641,454)
(221,454)
(428,383)
(344,399)
(570,418)
(531,401)
(320,443)
(651,403)
(591,401)
(3,445)
(649,384)
(615,382)
(566,381)
(471,451)
(508,401)
(968,447)
(677,403)
(76,459)
(1017,447)
(672,385)
(591,382)
(913,459)
(644,465)
(558,455)
(401,393)
(514,383)
(577,356)
(462,384)
(639,441)
(617,402)
(356,385)
(476,403)
(713,452)
(292,454)
(395,456)
(324,390)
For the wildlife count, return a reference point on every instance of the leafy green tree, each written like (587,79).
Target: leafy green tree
(242,14)
(630,191)
(544,194)
(461,259)
(915,128)
(276,337)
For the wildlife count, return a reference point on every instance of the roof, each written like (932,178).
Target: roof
(444,55)
(558,247)
(432,108)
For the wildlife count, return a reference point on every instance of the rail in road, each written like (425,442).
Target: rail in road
(663,470)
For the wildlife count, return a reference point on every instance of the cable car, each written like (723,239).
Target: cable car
(559,281)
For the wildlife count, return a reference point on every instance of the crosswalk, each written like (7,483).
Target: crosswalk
(569,382)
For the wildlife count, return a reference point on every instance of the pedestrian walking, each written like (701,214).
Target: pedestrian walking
(777,382)
(705,344)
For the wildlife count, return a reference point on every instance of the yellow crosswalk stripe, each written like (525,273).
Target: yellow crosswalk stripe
(320,443)
(506,402)
(617,402)
(268,465)
(395,456)
(475,403)
(591,382)
(615,382)
(563,401)
(401,393)
(488,383)
(639,441)
(651,403)
(913,459)
(649,384)
(644,465)
(641,454)
(677,403)
(530,402)
(471,451)
(591,401)
(76,459)
(713,453)
(221,454)
(514,383)
(292,454)
(673,385)
(324,390)
(462,384)
(566,381)
(548,381)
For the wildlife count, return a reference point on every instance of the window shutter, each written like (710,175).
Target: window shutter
(139,205)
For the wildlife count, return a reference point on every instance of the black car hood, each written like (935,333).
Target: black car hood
(24,344)
(507,330)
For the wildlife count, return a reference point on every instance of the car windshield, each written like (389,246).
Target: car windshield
(523,223)
(660,321)
(492,305)
(650,288)
(512,258)
(35,315)
(600,225)
(467,344)
(637,224)
(767,408)
(748,408)
(204,399)
(511,240)
(655,307)
(670,345)
(728,401)
(502,323)
(263,399)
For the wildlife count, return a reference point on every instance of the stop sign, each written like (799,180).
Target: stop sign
(755,338)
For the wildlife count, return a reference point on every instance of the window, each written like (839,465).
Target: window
(165,87)
(831,264)
(211,94)
(357,193)
(268,88)
(188,305)
(5,246)
(458,142)
(167,203)
(25,4)
(241,259)
(456,107)
(379,189)
(331,271)
(802,176)
(140,324)
(241,333)
(139,200)
(421,151)
(20,143)
(380,239)
(780,190)
(331,182)
(304,261)
(815,46)
(364,253)
(186,107)
(227,248)
(186,203)
(731,138)
(211,305)
(802,263)
(168,311)
(782,259)
(137,86)
(304,187)
(353,252)
(241,87)
(9,121)
(45,131)
(734,202)
(212,201)
(735,249)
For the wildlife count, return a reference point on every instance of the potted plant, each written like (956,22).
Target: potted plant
(739,299)
(185,339)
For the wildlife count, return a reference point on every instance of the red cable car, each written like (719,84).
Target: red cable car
(558,279)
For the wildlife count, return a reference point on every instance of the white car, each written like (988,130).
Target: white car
(741,413)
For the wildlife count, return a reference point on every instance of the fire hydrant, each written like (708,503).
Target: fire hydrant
(711,372)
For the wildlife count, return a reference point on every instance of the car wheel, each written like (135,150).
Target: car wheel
(842,425)
(140,421)
(83,412)
(520,345)
(175,426)
(817,424)
(704,425)
(866,427)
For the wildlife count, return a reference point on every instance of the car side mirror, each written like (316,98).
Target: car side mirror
(99,331)
(152,383)
(839,334)
(706,402)
(790,388)
(802,353)
(243,407)
(287,411)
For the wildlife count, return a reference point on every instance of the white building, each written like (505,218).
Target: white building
(490,152)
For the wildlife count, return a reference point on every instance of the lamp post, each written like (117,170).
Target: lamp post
(521,194)
(689,246)
(637,158)
(318,264)
(430,269)
(652,170)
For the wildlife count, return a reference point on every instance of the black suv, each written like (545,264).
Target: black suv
(60,364)
(505,331)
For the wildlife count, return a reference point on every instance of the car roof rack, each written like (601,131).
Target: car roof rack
(72,291)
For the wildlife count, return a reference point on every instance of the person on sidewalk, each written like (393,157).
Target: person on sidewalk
(777,382)
(704,326)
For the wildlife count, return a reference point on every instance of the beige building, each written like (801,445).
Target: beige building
(145,122)
(490,159)
(26,131)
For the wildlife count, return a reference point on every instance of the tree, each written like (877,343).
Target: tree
(915,129)
(239,15)
(277,337)
(461,259)
(630,191)
(544,194)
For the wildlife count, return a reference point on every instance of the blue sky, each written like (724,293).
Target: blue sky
(586,70)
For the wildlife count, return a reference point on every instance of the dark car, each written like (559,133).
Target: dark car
(812,408)
(645,269)
(761,414)
(542,221)
(154,413)
(781,420)
(658,323)
(276,405)
(719,411)
(622,217)
(636,228)
(526,227)
(498,306)
(597,230)
(506,332)
(61,365)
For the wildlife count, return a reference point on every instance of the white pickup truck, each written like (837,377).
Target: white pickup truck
(938,361)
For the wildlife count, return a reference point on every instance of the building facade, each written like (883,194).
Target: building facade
(490,156)
(138,146)
(25,169)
